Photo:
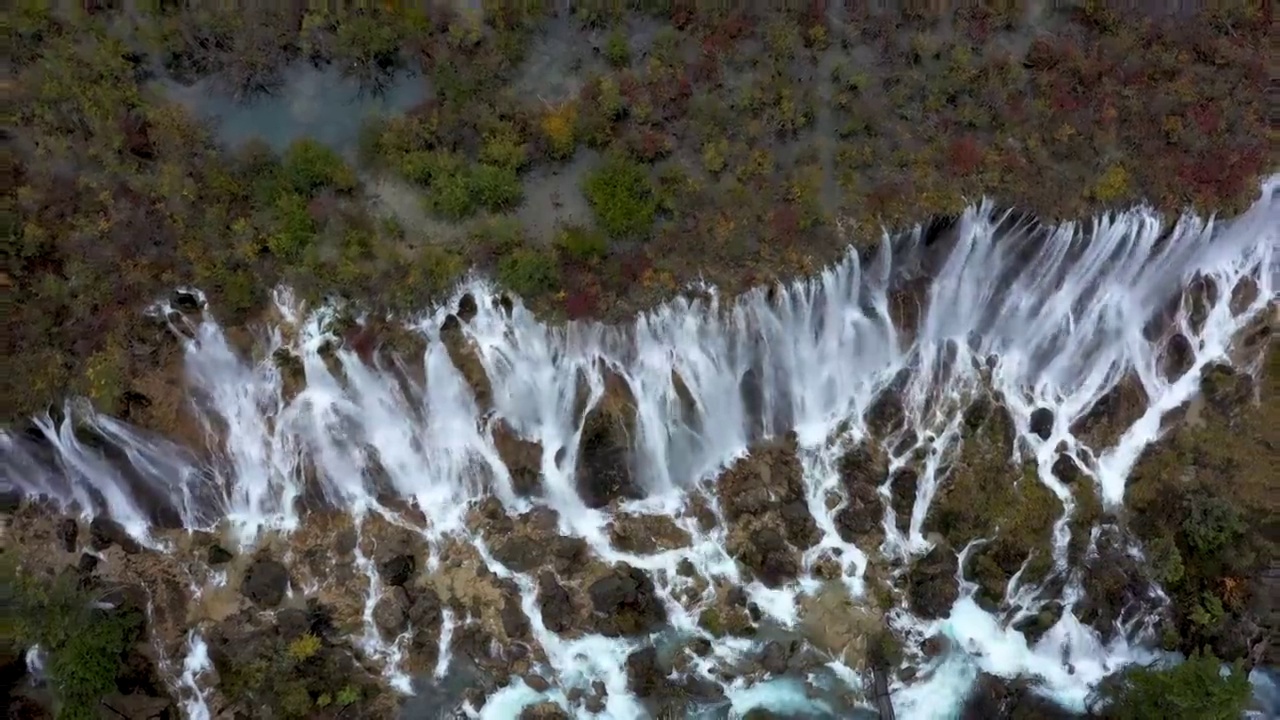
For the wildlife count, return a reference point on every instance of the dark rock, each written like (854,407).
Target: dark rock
(1034,627)
(87,564)
(1066,469)
(141,707)
(397,570)
(105,532)
(644,676)
(774,658)
(265,582)
(390,613)
(902,494)
(185,302)
(1042,423)
(523,459)
(219,555)
(345,541)
(292,623)
(555,602)
(932,588)
(1178,357)
(537,683)
(604,471)
(1115,585)
(624,603)
(544,711)
(467,307)
(995,698)
(68,531)
(514,622)
(425,610)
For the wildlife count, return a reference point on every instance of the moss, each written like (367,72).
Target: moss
(709,620)
(622,197)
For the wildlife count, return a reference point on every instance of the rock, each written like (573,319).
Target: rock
(544,711)
(1042,423)
(425,610)
(185,301)
(514,622)
(1066,469)
(774,658)
(105,532)
(537,683)
(390,613)
(836,624)
(604,473)
(1113,413)
(555,602)
(763,498)
(1034,627)
(265,582)
(345,541)
(995,698)
(397,569)
(137,706)
(902,496)
(467,308)
(219,555)
(932,588)
(624,603)
(523,459)
(68,531)
(646,534)
(87,564)
(292,623)
(1116,587)
(644,676)
(466,358)
(860,473)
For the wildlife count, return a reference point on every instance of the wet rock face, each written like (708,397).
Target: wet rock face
(466,359)
(1113,413)
(861,471)
(932,588)
(1042,423)
(604,471)
(68,531)
(1116,587)
(556,603)
(397,569)
(763,498)
(104,533)
(265,582)
(523,459)
(624,603)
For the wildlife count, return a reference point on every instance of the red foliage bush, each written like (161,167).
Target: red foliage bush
(582,304)
(1207,117)
(964,155)
(633,266)
(784,223)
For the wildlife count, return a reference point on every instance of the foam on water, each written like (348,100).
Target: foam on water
(1042,317)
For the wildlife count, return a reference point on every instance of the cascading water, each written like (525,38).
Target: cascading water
(1041,318)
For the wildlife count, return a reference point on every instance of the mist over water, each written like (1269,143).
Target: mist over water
(1041,317)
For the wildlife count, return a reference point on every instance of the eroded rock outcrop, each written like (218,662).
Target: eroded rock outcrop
(604,471)
(763,498)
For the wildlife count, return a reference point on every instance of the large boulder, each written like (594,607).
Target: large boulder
(522,457)
(841,627)
(931,583)
(624,603)
(995,698)
(861,471)
(105,532)
(265,582)
(466,358)
(764,501)
(604,470)
(556,603)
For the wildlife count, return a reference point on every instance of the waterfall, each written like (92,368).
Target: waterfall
(1044,318)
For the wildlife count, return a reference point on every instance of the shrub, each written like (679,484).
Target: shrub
(458,192)
(581,243)
(1211,524)
(528,271)
(1194,690)
(309,166)
(85,645)
(1113,186)
(304,648)
(622,197)
(558,125)
(495,188)
(294,228)
(616,50)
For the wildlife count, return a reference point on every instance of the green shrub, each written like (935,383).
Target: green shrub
(616,50)
(622,197)
(1194,690)
(85,645)
(495,188)
(308,167)
(458,191)
(1211,523)
(294,228)
(581,243)
(528,271)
